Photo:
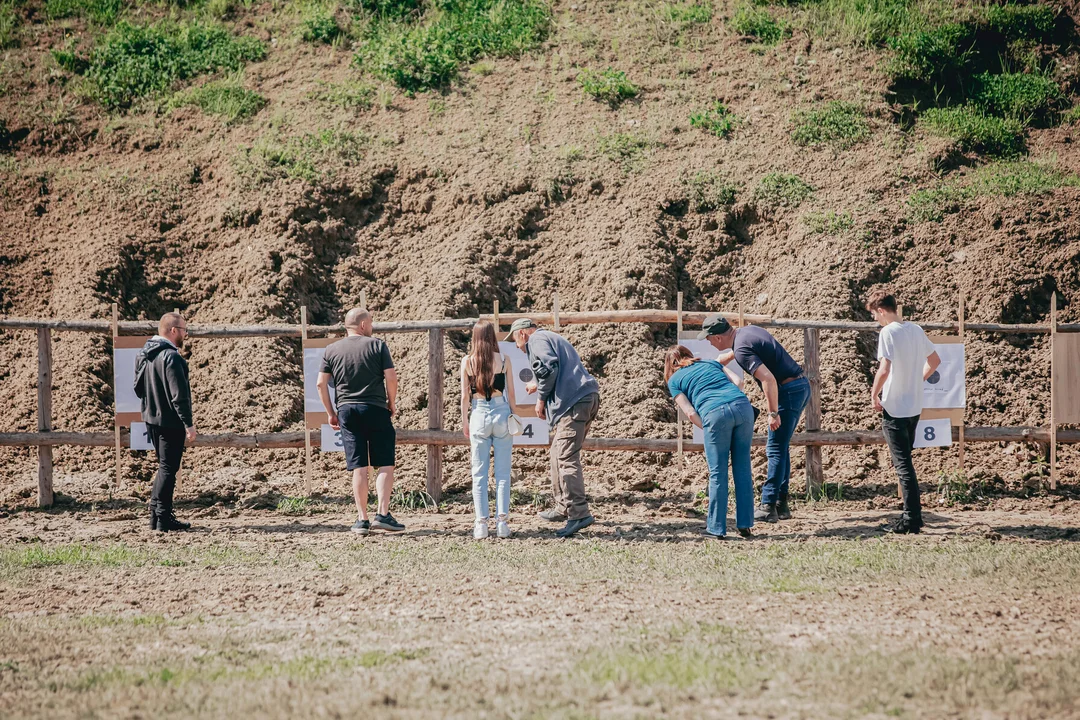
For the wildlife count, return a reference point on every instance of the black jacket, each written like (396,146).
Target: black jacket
(161,382)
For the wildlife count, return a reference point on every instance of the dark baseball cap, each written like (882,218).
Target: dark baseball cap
(713,325)
(519,324)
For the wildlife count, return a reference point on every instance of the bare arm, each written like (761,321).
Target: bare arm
(390,375)
(509,370)
(465,396)
(771,388)
(884,368)
(323,384)
(688,409)
(734,377)
(932,363)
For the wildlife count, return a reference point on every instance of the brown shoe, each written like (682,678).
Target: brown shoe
(552,516)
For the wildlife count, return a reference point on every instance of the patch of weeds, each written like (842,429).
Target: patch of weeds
(933,204)
(482,68)
(931,56)
(348,95)
(9,23)
(1071,116)
(829,222)
(717,120)
(627,149)
(102,12)
(828,491)
(295,506)
(526,498)
(69,60)
(837,123)
(389,9)
(428,54)
(227,99)
(1018,96)
(436,107)
(694,13)
(318,25)
(752,21)
(860,22)
(954,487)
(1022,22)
(781,190)
(608,85)
(412,500)
(710,191)
(134,61)
(312,157)
(974,130)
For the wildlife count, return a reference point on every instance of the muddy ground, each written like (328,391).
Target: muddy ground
(260,614)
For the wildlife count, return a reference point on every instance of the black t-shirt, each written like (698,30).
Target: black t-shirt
(356,364)
(755,347)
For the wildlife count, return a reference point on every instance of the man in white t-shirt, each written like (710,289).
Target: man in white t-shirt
(906,358)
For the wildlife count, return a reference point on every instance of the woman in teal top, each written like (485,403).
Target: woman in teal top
(710,398)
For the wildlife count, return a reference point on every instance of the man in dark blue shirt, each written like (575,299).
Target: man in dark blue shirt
(786,393)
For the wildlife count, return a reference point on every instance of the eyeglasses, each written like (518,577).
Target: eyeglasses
(184,328)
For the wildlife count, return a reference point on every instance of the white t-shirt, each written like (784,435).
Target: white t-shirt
(906,346)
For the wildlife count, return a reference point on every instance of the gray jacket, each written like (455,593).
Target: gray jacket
(561,380)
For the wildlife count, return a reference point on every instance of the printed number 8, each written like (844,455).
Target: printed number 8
(928,433)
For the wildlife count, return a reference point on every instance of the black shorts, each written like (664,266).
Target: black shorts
(367,434)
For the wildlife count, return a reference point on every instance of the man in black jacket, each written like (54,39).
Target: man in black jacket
(161,382)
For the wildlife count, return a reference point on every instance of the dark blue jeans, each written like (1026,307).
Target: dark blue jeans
(792,399)
(729,429)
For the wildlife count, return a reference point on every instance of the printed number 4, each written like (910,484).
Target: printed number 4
(527,431)
(929,434)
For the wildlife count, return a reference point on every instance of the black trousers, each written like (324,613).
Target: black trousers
(169,444)
(900,436)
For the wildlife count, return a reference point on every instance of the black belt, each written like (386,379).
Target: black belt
(793,377)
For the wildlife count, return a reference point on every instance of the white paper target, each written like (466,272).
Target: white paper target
(124,380)
(945,388)
(933,433)
(330,440)
(313,358)
(704,350)
(535,430)
(139,439)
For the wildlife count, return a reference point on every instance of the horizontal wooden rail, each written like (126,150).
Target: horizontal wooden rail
(446,437)
(145,327)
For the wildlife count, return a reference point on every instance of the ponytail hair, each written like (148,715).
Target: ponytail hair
(676,358)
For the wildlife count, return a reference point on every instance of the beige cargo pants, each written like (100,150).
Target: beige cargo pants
(567,481)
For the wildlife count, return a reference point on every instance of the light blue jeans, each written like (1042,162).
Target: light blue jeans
(729,429)
(488,429)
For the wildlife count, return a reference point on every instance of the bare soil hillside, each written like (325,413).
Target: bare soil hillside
(509,184)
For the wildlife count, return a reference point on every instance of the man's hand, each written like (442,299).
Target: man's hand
(877,403)
(530,387)
(335,424)
(392,407)
(541,409)
(774,422)
(190,434)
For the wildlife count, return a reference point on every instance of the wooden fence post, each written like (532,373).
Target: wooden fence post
(435,411)
(1053,414)
(45,452)
(679,417)
(307,430)
(812,368)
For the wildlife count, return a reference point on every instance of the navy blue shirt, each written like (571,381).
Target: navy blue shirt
(705,385)
(755,347)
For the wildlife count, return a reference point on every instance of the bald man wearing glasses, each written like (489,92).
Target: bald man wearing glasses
(161,382)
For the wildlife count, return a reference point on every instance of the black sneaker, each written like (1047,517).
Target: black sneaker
(745,532)
(361,527)
(783,512)
(766,512)
(386,522)
(167,522)
(903,527)
(573,526)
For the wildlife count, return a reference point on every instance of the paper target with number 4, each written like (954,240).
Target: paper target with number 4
(535,430)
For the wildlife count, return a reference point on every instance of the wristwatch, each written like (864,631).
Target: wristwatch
(773,414)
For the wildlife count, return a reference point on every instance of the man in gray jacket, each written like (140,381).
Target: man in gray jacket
(569,398)
(161,382)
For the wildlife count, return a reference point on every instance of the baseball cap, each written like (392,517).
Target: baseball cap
(519,324)
(713,325)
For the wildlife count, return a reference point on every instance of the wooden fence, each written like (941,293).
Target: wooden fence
(435,438)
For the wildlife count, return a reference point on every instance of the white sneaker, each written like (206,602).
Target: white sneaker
(480,530)
(504,530)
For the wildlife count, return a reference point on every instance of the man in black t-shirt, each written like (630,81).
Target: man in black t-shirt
(365,385)
(786,393)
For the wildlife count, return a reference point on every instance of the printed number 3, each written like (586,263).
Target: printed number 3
(929,434)
(337,440)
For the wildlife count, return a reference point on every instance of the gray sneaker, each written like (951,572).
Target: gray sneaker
(361,527)
(552,516)
(387,522)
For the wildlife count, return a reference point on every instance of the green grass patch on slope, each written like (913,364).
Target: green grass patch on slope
(228,99)
(312,157)
(1017,96)
(608,85)
(717,120)
(135,61)
(757,22)
(710,191)
(781,190)
(429,53)
(9,24)
(1000,179)
(973,129)
(837,123)
(102,12)
(318,25)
